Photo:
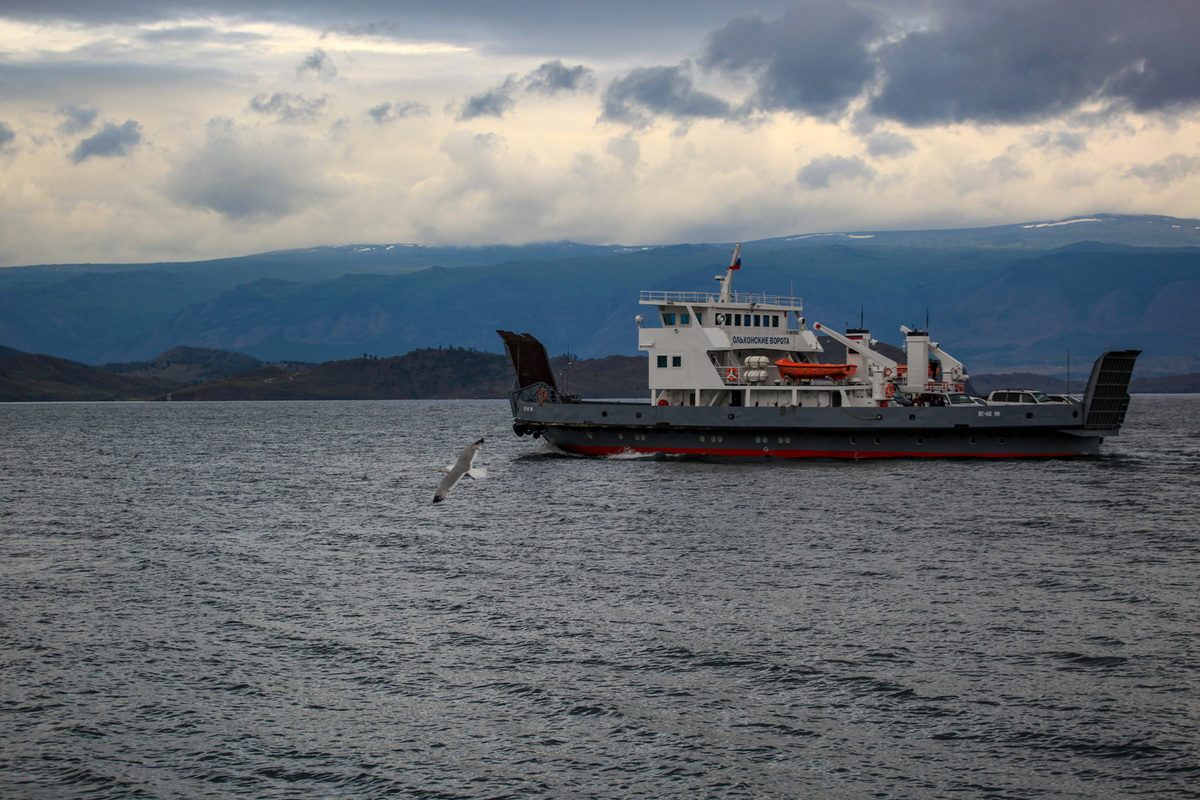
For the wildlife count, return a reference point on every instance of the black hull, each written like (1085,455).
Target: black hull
(855,433)
(599,441)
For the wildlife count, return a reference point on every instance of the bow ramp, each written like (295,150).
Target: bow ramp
(1107,396)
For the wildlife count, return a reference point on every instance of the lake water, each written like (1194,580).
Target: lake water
(260,600)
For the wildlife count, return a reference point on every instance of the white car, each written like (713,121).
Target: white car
(1003,397)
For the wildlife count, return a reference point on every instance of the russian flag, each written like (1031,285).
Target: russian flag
(736,264)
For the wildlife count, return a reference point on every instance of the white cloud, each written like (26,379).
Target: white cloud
(605,122)
(245,179)
(824,171)
(1173,168)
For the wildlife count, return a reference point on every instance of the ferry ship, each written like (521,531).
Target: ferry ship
(741,375)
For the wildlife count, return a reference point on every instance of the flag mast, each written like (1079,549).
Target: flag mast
(727,279)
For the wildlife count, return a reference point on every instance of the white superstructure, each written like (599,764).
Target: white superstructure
(722,349)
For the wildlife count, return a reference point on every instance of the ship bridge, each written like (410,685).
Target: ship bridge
(774,301)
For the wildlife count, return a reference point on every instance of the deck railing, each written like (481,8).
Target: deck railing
(760,298)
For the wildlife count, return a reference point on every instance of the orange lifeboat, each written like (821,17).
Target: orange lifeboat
(803,371)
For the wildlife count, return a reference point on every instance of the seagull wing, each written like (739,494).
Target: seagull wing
(454,473)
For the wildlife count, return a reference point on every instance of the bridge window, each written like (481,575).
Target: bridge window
(756,320)
(662,362)
(684,319)
(668,319)
(774,320)
(676,361)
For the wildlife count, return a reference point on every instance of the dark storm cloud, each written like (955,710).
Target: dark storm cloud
(931,62)
(492,103)
(110,142)
(286,107)
(974,61)
(647,91)
(1022,60)
(391,112)
(78,118)
(519,26)
(368,30)
(198,34)
(554,77)
(42,80)
(551,78)
(815,59)
(318,63)
(821,173)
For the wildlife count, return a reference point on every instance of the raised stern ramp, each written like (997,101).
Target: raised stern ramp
(1107,396)
(529,360)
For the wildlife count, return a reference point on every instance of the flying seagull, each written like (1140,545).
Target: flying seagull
(461,467)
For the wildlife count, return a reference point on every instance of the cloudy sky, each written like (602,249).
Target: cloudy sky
(139,130)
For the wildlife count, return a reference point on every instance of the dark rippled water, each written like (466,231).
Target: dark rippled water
(259,600)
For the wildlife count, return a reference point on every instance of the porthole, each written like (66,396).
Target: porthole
(878,440)
(912,416)
(620,436)
(920,440)
(972,441)
(731,416)
(589,434)
(639,415)
(702,437)
(1001,440)
(853,440)
(1028,415)
(604,413)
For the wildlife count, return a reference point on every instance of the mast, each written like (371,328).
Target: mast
(727,279)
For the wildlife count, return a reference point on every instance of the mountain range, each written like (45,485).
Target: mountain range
(1031,297)
(200,374)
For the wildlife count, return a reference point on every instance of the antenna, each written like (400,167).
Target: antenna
(567,369)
